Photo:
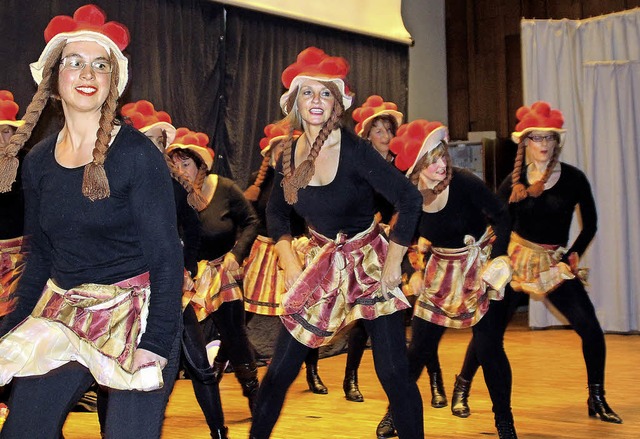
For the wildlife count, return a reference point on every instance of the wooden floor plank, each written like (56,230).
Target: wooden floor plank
(549,396)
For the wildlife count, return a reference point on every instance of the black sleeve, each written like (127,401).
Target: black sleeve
(495,210)
(38,254)
(189,226)
(154,213)
(588,215)
(278,210)
(245,218)
(395,188)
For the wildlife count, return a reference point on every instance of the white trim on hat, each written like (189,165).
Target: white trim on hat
(346,99)
(169,129)
(433,139)
(396,115)
(202,152)
(83,35)
(516,136)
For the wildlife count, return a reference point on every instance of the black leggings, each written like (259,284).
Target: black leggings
(196,363)
(229,321)
(356,345)
(392,368)
(489,348)
(572,300)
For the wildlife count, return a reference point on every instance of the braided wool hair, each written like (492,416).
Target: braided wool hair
(296,178)
(429,195)
(195,198)
(253,192)
(95,184)
(518,190)
(8,152)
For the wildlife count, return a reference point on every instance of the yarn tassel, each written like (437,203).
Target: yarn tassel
(95,185)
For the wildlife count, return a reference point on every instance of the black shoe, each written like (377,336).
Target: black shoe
(350,386)
(315,383)
(460,397)
(598,406)
(386,428)
(220,433)
(438,397)
(506,429)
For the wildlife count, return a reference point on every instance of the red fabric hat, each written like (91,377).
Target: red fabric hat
(9,110)
(275,133)
(314,63)
(413,140)
(373,107)
(194,141)
(538,117)
(145,118)
(87,24)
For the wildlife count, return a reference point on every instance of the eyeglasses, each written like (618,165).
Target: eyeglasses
(78,63)
(548,138)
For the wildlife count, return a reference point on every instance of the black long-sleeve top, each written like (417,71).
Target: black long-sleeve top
(347,204)
(73,240)
(227,224)
(298,226)
(470,208)
(188,227)
(547,218)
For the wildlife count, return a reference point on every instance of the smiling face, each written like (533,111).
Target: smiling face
(540,146)
(82,89)
(380,135)
(315,102)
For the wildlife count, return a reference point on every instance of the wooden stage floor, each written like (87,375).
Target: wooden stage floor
(549,396)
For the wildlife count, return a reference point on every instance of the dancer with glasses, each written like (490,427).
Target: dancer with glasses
(99,298)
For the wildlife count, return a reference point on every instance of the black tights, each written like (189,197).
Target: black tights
(356,345)
(489,348)
(392,368)
(572,300)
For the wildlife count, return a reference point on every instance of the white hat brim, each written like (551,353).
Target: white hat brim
(365,123)
(83,35)
(346,99)
(433,139)
(166,126)
(203,153)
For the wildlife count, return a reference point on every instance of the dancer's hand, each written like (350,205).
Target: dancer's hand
(289,262)
(143,357)
(392,271)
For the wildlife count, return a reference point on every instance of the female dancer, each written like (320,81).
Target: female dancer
(543,193)
(103,232)
(156,125)
(263,284)
(228,226)
(377,121)
(467,271)
(329,177)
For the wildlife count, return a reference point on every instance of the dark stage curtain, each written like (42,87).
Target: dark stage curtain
(260,47)
(211,75)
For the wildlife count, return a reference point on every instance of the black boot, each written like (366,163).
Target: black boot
(315,383)
(459,399)
(506,429)
(247,375)
(598,405)
(218,369)
(438,397)
(220,433)
(386,428)
(350,386)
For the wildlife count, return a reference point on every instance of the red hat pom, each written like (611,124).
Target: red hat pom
(539,115)
(313,61)
(8,108)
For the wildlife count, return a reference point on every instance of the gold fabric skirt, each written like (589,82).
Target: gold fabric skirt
(11,265)
(96,325)
(214,286)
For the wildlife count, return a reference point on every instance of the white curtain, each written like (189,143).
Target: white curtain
(590,70)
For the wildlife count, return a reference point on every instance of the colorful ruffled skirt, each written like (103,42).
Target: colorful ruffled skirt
(11,265)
